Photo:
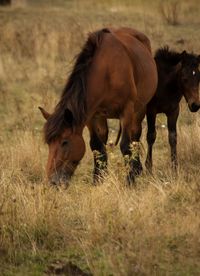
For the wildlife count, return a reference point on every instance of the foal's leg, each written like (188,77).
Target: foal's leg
(171,123)
(131,132)
(98,138)
(151,137)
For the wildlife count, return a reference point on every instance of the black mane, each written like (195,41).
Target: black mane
(169,57)
(166,56)
(74,94)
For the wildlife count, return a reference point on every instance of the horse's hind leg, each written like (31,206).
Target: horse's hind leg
(151,137)
(98,138)
(171,123)
(130,148)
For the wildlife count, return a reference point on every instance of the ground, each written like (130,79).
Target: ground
(151,229)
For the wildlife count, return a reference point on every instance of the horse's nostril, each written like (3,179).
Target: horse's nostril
(54,180)
(194,107)
(59,179)
(53,183)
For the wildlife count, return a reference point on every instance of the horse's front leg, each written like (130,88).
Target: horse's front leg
(130,147)
(98,138)
(171,123)
(151,137)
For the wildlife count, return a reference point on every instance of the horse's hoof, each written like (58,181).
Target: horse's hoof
(97,179)
(99,175)
(149,170)
(137,168)
(174,172)
(130,179)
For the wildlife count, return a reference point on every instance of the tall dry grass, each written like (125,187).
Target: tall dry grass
(151,228)
(170,11)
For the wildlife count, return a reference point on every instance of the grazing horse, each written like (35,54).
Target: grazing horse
(178,76)
(114,76)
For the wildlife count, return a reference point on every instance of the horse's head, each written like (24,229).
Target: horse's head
(66,146)
(190,78)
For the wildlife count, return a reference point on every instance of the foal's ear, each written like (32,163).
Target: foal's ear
(68,117)
(44,112)
(178,67)
(183,54)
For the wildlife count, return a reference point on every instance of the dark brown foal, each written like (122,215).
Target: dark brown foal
(178,76)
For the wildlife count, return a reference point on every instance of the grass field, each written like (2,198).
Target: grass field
(152,229)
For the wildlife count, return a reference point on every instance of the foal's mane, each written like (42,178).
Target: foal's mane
(73,97)
(166,56)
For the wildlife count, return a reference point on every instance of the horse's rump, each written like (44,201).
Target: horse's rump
(124,58)
(134,33)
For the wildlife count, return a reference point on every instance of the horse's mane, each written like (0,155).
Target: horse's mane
(74,93)
(166,56)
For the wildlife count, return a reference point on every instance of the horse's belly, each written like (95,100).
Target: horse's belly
(111,111)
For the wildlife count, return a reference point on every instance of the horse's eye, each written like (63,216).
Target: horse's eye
(64,143)
(75,163)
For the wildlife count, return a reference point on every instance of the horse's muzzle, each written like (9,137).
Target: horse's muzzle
(57,179)
(194,107)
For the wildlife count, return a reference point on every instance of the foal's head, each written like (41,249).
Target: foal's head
(189,79)
(66,146)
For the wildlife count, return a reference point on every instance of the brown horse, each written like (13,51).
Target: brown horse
(114,76)
(178,76)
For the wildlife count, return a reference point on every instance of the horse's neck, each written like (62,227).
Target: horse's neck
(174,90)
(169,81)
(93,101)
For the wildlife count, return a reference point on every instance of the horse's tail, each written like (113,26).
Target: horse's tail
(95,39)
(118,134)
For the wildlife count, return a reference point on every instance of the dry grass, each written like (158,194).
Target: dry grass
(152,229)
(170,11)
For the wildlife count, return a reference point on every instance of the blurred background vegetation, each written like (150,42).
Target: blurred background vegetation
(40,38)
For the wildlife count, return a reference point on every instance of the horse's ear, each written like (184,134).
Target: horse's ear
(183,54)
(44,112)
(178,67)
(68,117)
